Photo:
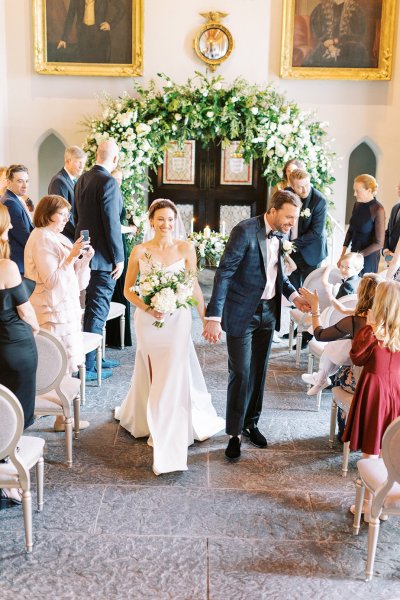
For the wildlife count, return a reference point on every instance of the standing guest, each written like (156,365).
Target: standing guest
(246,303)
(17,187)
(18,325)
(112,328)
(291,165)
(392,233)
(52,261)
(309,235)
(63,183)
(98,207)
(376,401)
(366,232)
(3,180)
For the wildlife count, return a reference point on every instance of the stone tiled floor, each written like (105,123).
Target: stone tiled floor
(275,525)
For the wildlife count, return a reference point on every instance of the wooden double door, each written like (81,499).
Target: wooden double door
(208,198)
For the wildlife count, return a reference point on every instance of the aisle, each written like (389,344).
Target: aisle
(272,526)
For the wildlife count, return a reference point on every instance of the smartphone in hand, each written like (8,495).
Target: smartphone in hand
(85,234)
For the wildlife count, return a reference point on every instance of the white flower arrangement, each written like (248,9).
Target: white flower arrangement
(305,213)
(288,247)
(164,291)
(210,249)
(268,127)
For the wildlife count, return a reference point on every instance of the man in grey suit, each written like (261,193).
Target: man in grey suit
(63,183)
(246,304)
(98,206)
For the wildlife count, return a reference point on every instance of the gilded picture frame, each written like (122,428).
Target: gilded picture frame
(338,39)
(103,37)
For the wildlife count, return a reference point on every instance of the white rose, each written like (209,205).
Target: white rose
(254,110)
(210,114)
(279,150)
(178,117)
(217,85)
(142,128)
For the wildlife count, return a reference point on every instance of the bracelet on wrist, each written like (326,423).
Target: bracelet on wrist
(315,314)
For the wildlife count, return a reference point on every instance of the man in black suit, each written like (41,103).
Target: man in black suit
(63,183)
(98,206)
(17,187)
(94,20)
(246,304)
(392,233)
(309,236)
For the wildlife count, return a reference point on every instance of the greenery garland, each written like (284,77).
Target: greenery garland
(205,108)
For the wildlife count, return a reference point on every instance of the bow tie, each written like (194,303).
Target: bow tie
(276,234)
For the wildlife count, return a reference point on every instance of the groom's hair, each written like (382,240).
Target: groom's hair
(282,197)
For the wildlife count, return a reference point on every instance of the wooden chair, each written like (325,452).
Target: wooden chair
(381,477)
(91,341)
(55,390)
(23,453)
(117,311)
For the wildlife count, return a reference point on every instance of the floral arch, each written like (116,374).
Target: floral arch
(268,126)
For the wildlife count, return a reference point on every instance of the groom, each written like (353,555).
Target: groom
(246,304)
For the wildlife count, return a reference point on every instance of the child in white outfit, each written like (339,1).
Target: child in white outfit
(336,353)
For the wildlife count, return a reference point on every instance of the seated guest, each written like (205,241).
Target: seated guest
(337,353)
(366,232)
(63,183)
(18,325)
(17,186)
(351,266)
(53,262)
(376,401)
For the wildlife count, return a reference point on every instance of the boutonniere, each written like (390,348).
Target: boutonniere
(305,213)
(288,247)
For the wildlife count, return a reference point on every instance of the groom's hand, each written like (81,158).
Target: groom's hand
(212,331)
(302,304)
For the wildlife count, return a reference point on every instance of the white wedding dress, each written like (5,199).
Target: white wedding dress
(170,402)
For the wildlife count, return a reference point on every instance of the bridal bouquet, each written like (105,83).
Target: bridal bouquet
(166,291)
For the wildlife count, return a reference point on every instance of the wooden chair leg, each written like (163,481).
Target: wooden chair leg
(76,416)
(68,440)
(27,511)
(39,483)
(299,339)
(332,428)
(360,492)
(291,331)
(122,330)
(373,533)
(346,453)
(310,363)
(104,341)
(319,397)
(82,377)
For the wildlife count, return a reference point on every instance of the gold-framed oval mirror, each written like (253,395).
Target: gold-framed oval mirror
(213,44)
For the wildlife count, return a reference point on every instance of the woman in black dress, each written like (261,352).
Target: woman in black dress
(18,325)
(366,232)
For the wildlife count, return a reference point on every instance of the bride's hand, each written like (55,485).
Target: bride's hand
(157,314)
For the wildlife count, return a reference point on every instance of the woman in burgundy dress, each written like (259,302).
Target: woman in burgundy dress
(376,347)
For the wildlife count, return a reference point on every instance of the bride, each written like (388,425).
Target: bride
(168,399)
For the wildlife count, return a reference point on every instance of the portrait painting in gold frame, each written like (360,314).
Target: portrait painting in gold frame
(88,37)
(338,39)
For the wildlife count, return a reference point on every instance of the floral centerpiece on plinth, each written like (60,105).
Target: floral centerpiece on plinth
(209,248)
(166,291)
(206,108)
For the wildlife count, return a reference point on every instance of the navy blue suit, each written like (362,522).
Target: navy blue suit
(311,242)
(98,206)
(62,185)
(21,228)
(249,322)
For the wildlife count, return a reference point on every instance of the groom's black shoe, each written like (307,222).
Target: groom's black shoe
(256,437)
(233,448)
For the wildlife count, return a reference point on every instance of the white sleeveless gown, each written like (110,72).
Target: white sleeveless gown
(172,406)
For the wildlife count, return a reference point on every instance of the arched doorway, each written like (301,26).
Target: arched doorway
(362,160)
(50,161)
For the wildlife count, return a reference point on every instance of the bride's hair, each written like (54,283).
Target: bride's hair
(162,203)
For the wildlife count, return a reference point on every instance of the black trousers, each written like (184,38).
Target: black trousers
(94,45)
(303,269)
(247,360)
